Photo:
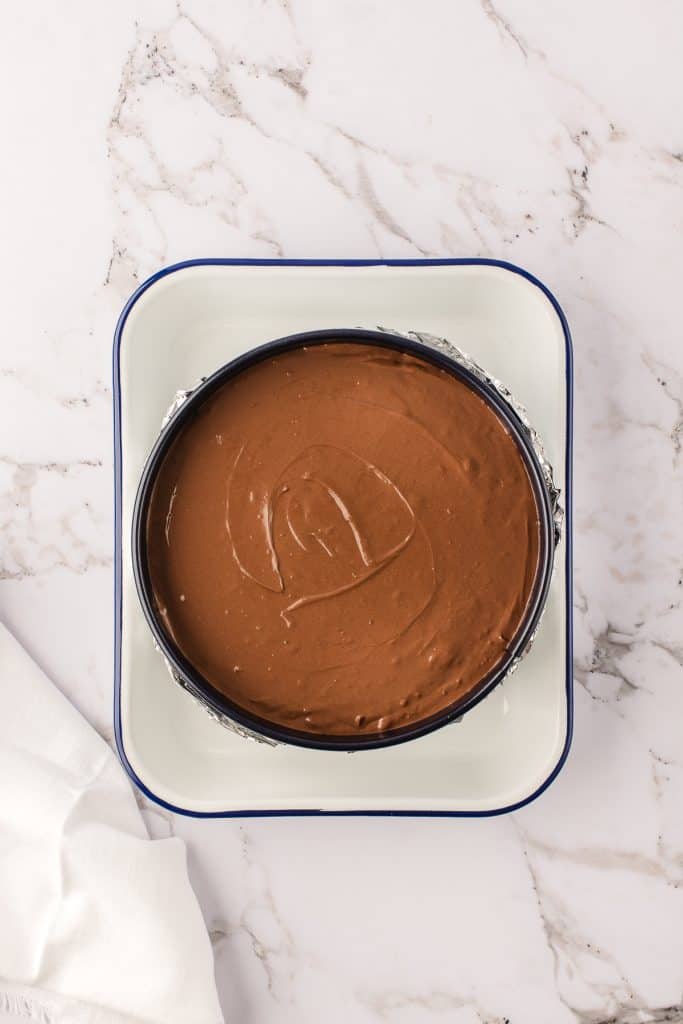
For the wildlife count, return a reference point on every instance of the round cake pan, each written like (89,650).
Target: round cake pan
(217,703)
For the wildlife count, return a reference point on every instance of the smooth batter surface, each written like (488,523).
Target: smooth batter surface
(343,539)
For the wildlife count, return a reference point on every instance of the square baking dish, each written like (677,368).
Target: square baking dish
(191,318)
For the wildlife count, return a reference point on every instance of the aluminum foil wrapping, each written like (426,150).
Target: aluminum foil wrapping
(217,716)
(179,399)
(462,359)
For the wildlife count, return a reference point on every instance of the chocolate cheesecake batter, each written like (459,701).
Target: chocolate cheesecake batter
(343,539)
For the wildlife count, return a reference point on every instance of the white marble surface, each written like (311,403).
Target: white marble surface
(137,134)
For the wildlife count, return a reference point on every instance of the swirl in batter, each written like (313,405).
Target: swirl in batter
(343,539)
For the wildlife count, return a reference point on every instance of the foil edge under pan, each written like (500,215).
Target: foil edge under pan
(445,348)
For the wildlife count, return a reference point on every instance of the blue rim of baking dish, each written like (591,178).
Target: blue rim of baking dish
(164,272)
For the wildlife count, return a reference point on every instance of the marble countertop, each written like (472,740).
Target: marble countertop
(141,134)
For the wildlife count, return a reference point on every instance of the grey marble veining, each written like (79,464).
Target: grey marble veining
(137,135)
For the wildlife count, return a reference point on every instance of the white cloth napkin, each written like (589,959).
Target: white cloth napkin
(98,923)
